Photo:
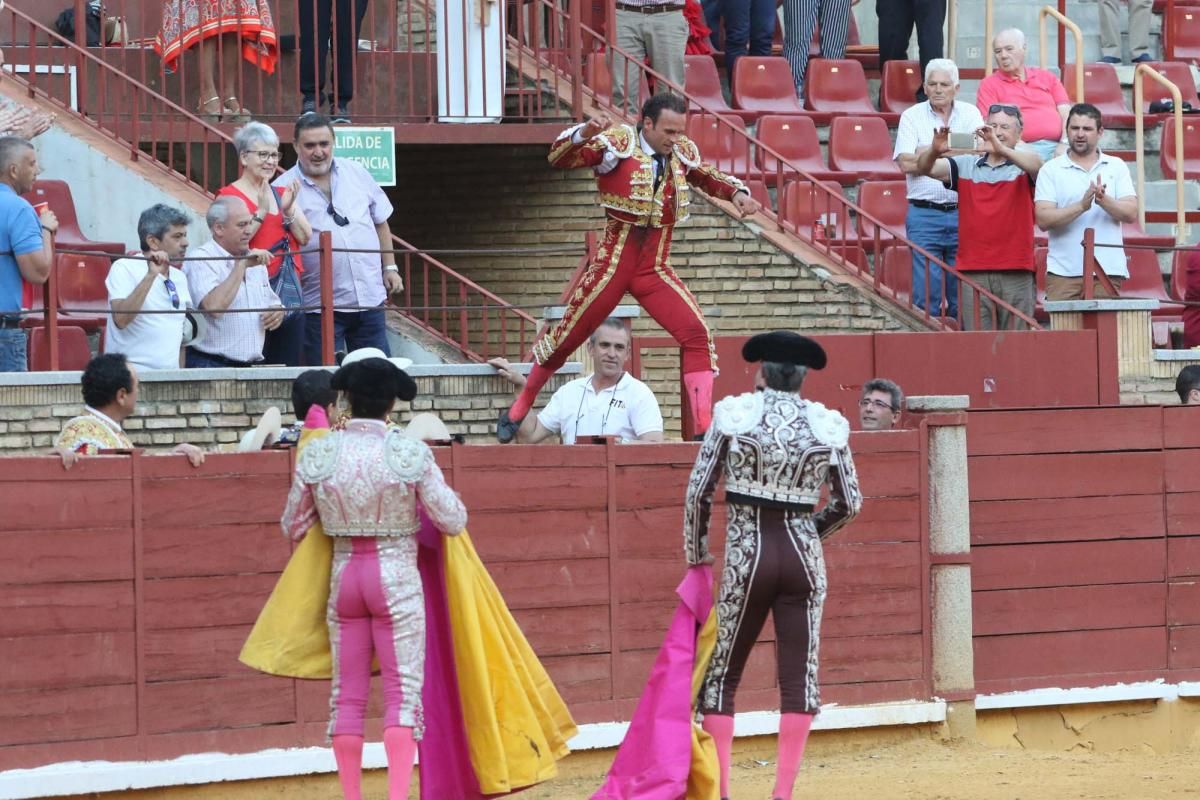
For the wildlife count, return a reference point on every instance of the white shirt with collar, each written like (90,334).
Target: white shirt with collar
(917,126)
(237,335)
(626,409)
(1062,181)
(149,341)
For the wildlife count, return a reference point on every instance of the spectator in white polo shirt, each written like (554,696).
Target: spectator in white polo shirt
(1083,188)
(609,402)
(150,284)
(230,280)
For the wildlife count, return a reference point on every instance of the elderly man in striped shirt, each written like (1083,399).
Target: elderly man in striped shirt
(230,280)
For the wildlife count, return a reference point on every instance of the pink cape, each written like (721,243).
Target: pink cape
(446,769)
(655,758)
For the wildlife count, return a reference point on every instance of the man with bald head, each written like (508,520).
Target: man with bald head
(25,245)
(230,280)
(1038,93)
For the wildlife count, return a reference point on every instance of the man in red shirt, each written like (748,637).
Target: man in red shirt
(995,216)
(1037,92)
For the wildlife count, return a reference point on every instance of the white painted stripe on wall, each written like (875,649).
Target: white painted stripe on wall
(1032,698)
(78,777)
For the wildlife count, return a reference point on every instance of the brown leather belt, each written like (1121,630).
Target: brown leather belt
(659,8)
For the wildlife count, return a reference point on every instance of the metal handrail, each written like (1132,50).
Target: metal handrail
(1139,111)
(1063,22)
(785,167)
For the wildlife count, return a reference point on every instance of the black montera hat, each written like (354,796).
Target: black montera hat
(377,377)
(784,347)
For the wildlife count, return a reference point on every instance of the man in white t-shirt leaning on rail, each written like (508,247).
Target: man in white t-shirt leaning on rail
(150,341)
(609,402)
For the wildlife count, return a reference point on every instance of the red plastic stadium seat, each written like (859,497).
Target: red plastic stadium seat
(1146,280)
(802,203)
(81,286)
(898,89)
(1177,73)
(862,145)
(896,270)
(58,195)
(1133,233)
(763,85)
(719,144)
(795,139)
(1179,264)
(703,84)
(1101,88)
(1183,30)
(1191,149)
(73,350)
(837,86)
(887,201)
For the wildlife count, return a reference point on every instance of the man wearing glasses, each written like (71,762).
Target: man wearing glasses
(150,284)
(879,408)
(340,196)
(931,221)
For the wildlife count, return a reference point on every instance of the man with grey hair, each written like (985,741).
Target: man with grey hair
(880,405)
(26,245)
(932,218)
(144,293)
(995,216)
(609,402)
(1037,92)
(233,290)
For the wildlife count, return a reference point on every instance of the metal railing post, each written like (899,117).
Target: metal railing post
(1063,22)
(1089,259)
(50,302)
(576,38)
(1139,128)
(326,268)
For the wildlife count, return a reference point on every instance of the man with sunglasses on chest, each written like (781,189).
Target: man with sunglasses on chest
(340,196)
(150,284)
(609,402)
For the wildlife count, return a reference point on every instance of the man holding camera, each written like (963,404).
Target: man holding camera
(932,220)
(995,197)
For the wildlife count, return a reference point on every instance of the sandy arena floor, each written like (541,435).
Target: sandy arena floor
(935,771)
(915,769)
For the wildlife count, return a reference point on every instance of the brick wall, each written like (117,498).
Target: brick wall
(507,196)
(214,413)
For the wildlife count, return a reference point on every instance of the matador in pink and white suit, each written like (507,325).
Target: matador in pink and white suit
(364,483)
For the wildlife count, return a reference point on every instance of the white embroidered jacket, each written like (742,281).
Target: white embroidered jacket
(366,481)
(778,450)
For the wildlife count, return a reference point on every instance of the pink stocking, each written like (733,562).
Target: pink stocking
(699,387)
(347,752)
(537,378)
(400,747)
(720,728)
(793,735)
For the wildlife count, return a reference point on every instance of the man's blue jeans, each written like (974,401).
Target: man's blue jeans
(937,232)
(351,330)
(749,29)
(12,350)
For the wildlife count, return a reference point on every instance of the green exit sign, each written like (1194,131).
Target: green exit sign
(374,148)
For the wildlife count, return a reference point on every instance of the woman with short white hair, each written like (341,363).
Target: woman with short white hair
(278,224)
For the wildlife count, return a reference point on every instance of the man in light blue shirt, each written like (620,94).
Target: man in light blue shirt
(25,245)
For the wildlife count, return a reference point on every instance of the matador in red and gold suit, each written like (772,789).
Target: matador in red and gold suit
(645,177)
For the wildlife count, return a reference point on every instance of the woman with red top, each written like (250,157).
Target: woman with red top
(278,224)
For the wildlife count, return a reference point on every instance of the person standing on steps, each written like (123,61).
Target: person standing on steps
(645,178)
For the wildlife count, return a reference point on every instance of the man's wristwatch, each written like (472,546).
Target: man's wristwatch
(390,268)
(257,218)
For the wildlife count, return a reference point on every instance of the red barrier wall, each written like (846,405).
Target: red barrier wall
(130,583)
(1085,546)
(1034,369)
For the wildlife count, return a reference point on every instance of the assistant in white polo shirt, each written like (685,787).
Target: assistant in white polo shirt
(1083,188)
(609,402)
(150,284)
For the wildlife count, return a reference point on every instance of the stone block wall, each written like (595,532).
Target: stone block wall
(215,410)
